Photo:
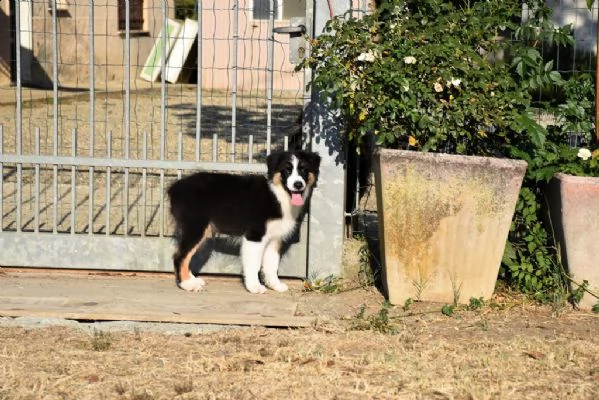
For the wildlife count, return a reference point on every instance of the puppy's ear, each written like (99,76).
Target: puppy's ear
(313,159)
(273,161)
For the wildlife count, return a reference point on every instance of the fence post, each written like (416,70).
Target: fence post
(325,241)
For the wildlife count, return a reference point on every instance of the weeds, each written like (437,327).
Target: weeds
(475,303)
(101,341)
(328,284)
(378,322)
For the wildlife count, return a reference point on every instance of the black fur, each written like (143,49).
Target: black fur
(236,205)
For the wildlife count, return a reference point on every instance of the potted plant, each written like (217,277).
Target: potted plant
(567,169)
(427,80)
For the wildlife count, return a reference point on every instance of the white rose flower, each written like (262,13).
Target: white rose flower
(366,57)
(409,60)
(438,87)
(455,82)
(585,154)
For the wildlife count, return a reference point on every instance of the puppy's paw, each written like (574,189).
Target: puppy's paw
(193,284)
(256,288)
(279,287)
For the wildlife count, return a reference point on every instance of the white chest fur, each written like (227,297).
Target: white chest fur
(283,227)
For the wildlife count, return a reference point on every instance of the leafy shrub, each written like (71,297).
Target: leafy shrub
(460,77)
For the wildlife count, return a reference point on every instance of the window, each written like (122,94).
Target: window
(284,9)
(136,15)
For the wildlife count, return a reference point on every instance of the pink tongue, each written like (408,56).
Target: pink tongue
(297,199)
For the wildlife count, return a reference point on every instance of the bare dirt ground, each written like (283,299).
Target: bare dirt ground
(360,348)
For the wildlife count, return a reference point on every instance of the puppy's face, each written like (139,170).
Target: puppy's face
(296,172)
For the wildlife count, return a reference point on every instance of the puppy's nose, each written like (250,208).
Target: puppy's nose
(298,185)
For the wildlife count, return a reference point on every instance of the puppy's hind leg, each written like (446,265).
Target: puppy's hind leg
(270,266)
(190,241)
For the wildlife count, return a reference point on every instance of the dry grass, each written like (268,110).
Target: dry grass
(522,352)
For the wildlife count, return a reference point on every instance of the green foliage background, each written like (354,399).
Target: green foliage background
(462,77)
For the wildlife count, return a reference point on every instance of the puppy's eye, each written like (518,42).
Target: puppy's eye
(288,167)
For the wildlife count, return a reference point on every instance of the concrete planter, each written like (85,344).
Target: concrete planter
(443,223)
(574,208)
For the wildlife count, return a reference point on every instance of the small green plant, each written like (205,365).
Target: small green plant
(379,322)
(475,303)
(595,308)
(366,274)
(100,340)
(448,309)
(407,304)
(328,284)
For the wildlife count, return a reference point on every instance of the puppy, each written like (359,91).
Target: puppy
(263,211)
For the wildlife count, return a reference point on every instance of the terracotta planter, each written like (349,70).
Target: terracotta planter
(574,210)
(443,223)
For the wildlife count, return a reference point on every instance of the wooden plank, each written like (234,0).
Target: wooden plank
(106,297)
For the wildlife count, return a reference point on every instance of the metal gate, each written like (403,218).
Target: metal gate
(119,99)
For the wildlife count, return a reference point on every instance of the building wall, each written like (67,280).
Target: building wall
(72,27)
(252,62)
(4,43)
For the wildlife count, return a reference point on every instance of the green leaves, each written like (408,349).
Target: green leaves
(590,3)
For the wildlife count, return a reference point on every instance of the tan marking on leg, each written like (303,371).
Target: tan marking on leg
(311,179)
(276,179)
(184,272)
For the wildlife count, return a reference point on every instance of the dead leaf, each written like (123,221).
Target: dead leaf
(537,355)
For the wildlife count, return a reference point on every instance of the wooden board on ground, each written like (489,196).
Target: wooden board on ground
(103,296)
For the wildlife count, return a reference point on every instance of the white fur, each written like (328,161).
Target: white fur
(251,259)
(265,253)
(295,176)
(270,266)
(193,284)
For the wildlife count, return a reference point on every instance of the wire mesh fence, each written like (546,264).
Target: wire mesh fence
(104,103)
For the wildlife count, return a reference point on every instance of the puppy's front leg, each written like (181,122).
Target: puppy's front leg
(270,266)
(251,258)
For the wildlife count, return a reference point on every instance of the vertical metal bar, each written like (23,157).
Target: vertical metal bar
(92,116)
(251,149)
(36,223)
(128,73)
(55,114)
(286,143)
(143,184)
(198,143)
(269,73)
(214,147)
(163,82)
(179,151)
(92,78)
(108,183)
(55,74)
(162,114)
(234,78)
(73,181)
(127,115)
(19,130)
(19,195)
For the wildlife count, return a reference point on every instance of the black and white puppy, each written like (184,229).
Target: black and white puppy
(263,211)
